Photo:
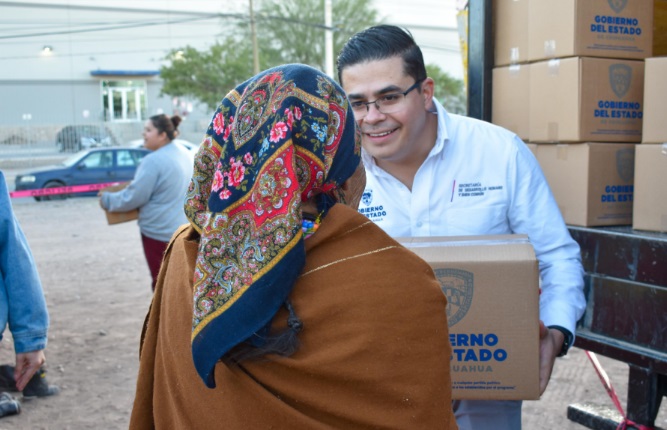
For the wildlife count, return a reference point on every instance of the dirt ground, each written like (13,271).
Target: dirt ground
(97,288)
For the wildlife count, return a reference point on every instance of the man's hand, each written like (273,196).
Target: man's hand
(27,363)
(551,342)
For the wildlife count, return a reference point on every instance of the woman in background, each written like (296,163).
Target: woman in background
(157,190)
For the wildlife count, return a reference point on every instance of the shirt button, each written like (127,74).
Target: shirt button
(419,224)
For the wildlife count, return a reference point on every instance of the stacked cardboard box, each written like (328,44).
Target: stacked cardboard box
(509,98)
(650,203)
(655,101)
(593,182)
(581,64)
(660,28)
(586,99)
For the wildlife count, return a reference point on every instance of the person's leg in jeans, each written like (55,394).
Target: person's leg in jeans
(153,250)
(487,414)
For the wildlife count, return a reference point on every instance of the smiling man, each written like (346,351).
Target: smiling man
(431,173)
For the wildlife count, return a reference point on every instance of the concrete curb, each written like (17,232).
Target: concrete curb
(30,162)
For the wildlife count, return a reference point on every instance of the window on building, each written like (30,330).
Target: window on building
(124,100)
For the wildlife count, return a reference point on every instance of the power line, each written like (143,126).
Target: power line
(195,16)
(191,36)
(103,8)
(113,27)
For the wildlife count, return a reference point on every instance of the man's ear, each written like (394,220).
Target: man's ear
(428,89)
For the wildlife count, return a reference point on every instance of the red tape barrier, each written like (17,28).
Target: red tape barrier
(606,382)
(61,190)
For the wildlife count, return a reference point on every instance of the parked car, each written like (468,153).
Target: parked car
(92,166)
(139,143)
(73,138)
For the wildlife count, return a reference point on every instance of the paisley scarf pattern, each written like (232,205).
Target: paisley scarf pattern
(280,138)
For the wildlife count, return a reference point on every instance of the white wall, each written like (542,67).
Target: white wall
(58,87)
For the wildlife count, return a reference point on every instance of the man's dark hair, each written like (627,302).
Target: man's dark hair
(379,43)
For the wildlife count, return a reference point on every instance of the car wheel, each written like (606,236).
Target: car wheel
(54,184)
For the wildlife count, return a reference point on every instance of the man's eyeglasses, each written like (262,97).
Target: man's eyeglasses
(388,103)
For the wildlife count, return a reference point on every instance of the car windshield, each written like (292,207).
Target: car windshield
(73,159)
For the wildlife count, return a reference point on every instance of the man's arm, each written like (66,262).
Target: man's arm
(551,343)
(535,212)
(27,314)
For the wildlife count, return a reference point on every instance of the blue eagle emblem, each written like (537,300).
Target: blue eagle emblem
(620,77)
(625,164)
(617,5)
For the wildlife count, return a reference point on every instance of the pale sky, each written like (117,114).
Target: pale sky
(432,22)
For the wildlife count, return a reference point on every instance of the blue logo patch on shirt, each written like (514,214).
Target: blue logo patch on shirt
(367,197)
(374,213)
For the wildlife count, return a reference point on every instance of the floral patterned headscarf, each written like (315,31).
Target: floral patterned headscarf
(277,140)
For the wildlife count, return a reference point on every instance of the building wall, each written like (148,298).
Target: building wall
(55,89)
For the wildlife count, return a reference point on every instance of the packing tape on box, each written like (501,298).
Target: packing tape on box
(561,151)
(514,55)
(549,48)
(514,71)
(553,67)
(484,242)
(664,148)
(552,132)
(61,190)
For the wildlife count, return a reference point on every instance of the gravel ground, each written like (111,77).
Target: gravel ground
(98,290)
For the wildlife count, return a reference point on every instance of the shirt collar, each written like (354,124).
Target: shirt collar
(442,137)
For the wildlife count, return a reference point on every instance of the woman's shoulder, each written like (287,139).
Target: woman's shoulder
(348,221)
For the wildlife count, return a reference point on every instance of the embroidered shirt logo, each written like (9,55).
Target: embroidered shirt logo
(475,189)
(367,197)
(458,286)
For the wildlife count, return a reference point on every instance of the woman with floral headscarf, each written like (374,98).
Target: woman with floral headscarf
(280,306)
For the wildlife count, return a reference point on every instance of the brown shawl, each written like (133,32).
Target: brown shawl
(374,349)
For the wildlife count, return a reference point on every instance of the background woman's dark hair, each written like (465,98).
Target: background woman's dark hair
(165,124)
(379,43)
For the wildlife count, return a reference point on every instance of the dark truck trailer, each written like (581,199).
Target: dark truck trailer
(626,274)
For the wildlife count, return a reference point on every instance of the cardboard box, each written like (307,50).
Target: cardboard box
(590,28)
(582,99)
(119,217)
(593,183)
(510,31)
(659,28)
(654,129)
(491,284)
(509,100)
(650,202)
